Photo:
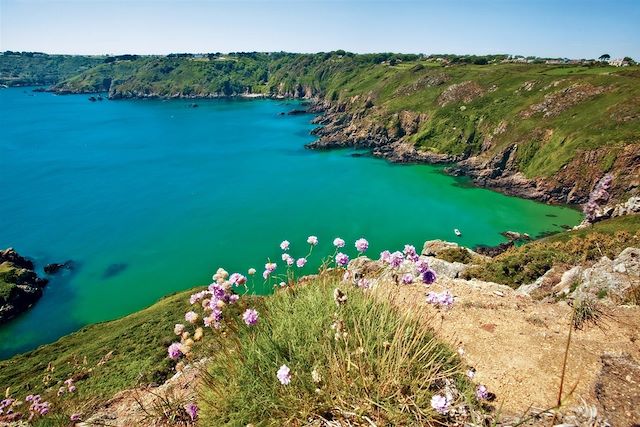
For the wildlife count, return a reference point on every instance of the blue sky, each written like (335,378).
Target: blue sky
(555,28)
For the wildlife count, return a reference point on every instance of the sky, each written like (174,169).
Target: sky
(547,28)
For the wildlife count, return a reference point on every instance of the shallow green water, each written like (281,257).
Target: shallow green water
(150,197)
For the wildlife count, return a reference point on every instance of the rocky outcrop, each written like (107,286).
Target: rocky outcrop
(20,286)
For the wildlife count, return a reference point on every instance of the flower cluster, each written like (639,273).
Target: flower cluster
(441,403)
(68,387)
(192,410)
(598,197)
(284,375)
(443,299)
(38,407)
(6,405)
(250,317)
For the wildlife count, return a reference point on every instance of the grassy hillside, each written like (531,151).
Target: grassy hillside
(37,69)
(102,359)
(524,264)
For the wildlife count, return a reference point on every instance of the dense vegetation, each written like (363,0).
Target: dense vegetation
(524,264)
(37,69)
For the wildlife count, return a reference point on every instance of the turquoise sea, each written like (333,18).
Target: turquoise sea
(149,197)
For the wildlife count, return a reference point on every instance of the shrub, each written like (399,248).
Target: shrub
(455,255)
(361,360)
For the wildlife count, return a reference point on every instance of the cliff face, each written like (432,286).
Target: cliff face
(20,286)
(536,131)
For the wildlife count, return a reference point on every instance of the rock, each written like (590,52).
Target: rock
(612,279)
(569,279)
(21,285)
(434,247)
(296,112)
(55,267)
(452,270)
(514,235)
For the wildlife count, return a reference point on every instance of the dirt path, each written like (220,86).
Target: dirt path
(517,346)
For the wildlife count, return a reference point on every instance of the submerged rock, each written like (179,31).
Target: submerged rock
(55,267)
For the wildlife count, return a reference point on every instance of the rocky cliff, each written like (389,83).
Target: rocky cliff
(20,286)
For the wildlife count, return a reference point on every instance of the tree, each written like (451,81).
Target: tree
(629,60)
(604,57)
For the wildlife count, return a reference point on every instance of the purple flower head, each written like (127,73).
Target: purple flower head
(481,392)
(270,266)
(410,253)
(75,417)
(440,404)
(385,256)
(196,297)
(312,240)
(175,351)
(301,262)
(284,245)
(284,375)
(265,274)
(72,389)
(192,410)
(216,290)
(443,299)
(395,259)
(422,266)
(342,259)
(338,242)
(364,283)
(428,276)
(250,317)
(234,298)
(362,245)
(407,279)
(290,261)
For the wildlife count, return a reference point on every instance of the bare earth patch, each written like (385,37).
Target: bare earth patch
(517,346)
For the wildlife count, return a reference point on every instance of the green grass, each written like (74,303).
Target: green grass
(524,264)
(384,369)
(133,350)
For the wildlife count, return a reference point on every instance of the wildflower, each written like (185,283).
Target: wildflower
(75,417)
(301,262)
(471,373)
(72,389)
(283,284)
(178,329)
(191,317)
(315,376)
(221,274)
(290,261)
(250,317)
(175,351)
(196,297)
(266,274)
(385,256)
(362,245)
(192,410)
(237,279)
(396,258)
(251,271)
(422,266)
(407,279)
(440,404)
(442,299)
(233,298)
(410,252)
(284,245)
(364,283)
(284,375)
(342,259)
(428,276)
(461,351)
(481,392)
(339,297)
(312,240)
(346,276)
(338,242)
(197,335)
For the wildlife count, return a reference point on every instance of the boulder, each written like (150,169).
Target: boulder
(452,270)
(434,247)
(55,267)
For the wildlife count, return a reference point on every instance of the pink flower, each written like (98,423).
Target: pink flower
(312,240)
(301,262)
(362,245)
(251,271)
(440,403)
(191,317)
(342,259)
(481,392)
(407,279)
(250,317)
(75,417)
(192,410)
(284,375)
(175,350)
(237,279)
(338,242)
(284,245)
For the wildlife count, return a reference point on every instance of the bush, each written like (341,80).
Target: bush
(361,361)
